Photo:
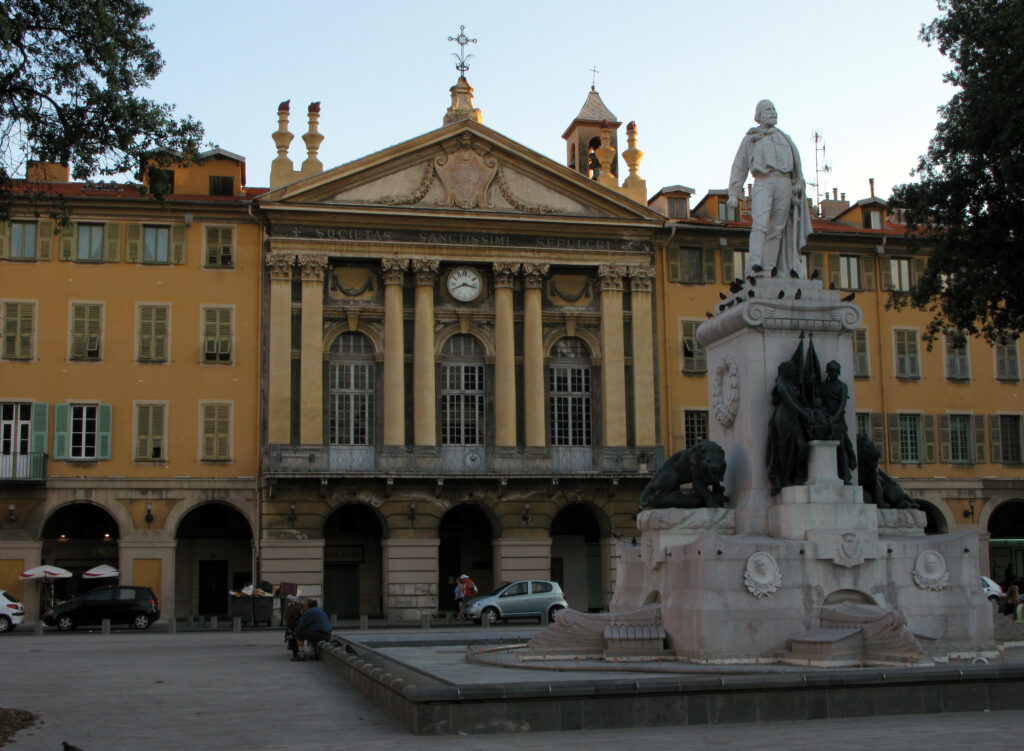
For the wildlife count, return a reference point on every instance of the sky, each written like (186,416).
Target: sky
(688,73)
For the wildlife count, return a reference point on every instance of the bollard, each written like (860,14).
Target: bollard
(447,616)
(105,626)
(334,620)
(425,620)
(485,621)
(213,622)
(172,625)
(364,622)
(236,625)
(544,618)
(38,628)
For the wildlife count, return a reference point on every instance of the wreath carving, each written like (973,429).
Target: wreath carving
(725,390)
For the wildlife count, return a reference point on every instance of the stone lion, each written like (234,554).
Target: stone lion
(879,488)
(702,465)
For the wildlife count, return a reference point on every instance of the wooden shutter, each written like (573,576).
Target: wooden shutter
(11,329)
(178,243)
(213,246)
(917,270)
(817,264)
(996,438)
(867,272)
(40,414)
(157,431)
(709,265)
(885,273)
(44,239)
(5,239)
(67,242)
(112,242)
(61,412)
(149,432)
(979,439)
(142,430)
(728,272)
(929,439)
(861,356)
(834,277)
(23,345)
(877,430)
(146,333)
(133,246)
(160,333)
(675,272)
(216,431)
(894,437)
(944,439)
(79,326)
(103,428)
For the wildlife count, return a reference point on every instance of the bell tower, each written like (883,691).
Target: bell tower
(583,137)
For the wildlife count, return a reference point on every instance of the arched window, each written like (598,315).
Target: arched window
(350,403)
(462,392)
(569,394)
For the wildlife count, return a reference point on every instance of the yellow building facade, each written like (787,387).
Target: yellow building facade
(129,383)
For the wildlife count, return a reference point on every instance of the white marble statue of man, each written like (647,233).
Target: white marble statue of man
(780,217)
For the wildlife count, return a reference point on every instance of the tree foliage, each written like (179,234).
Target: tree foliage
(968,203)
(70,73)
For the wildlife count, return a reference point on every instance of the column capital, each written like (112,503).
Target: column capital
(505,273)
(280,265)
(312,267)
(425,270)
(641,278)
(534,273)
(610,277)
(394,270)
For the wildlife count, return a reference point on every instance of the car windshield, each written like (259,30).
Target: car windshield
(499,589)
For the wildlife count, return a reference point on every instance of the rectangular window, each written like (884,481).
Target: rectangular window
(849,272)
(691,265)
(18,326)
(462,405)
(570,406)
(861,357)
(216,439)
(899,274)
(910,439)
(957,360)
(149,432)
(694,356)
(907,361)
(222,186)
(725,212)
(350,415)
(677,208)
(217,335)
(86,330)
(155,244)
(82,431)
(23,241)
(220,247)
(90,242)
(864,424)
(739,261)
(153,328)
(872,219)
(695,426)
(961,438)
(1007,366)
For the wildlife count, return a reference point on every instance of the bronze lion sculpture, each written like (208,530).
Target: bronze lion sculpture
(879,488)
(702,465)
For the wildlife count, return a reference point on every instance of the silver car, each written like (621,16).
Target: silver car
(528,598)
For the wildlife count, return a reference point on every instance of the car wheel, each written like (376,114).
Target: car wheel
(5,624)
(65,623)
(141,622)
(491,615)
(551,613)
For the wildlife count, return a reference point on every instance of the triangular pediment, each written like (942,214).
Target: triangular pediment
(464,167)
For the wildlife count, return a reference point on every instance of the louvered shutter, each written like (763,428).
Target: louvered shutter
(709,265)
(894,437)
(867,272)
(142,431)
(728,272)
(178,243)
(79,326)
(145,333)
(160,333)
(675,272)
(885,273)
(877,430)
(834,276)
(995,438)
(929,439)
(112,242)
(157,431)
(60,431)
(40,414)
(5,239)
(944,439)
(67,242)
(918,266)
(104,425)
(133,244)
(44,240)
(979,439)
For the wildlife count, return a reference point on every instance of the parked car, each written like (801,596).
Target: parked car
(992,590)
(529,598)
(12,612)
(124,606)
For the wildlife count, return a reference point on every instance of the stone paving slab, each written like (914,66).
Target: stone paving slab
(224,690)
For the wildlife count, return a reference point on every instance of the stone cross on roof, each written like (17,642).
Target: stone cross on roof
(462,40)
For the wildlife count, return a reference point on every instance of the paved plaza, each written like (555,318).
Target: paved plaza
(224,690)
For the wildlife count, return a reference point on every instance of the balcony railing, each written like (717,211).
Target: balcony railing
(28,467)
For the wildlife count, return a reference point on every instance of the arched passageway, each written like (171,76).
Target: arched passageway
(936,522)
(576,556)
(466,547)
(214,555)
(1006,545)
(352,562)
(77,537)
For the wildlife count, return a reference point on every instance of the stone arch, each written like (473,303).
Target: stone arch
(1005,524)
(353,560)
(586,336)
(466,534)
(940,520)
(342,327)
(576,530)
(482,335)
(181,510)
(37,520)
(214,554)
(76,536)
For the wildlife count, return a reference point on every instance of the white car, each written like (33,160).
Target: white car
(12,612)
(992,590)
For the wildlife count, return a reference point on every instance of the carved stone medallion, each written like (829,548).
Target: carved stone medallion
(850,550)
(465,175)
(762,576)
(725,390)
(930,571)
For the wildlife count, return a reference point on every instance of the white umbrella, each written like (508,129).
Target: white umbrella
(45,572)
(103,571)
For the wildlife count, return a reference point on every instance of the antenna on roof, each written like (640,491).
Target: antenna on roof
(821,167)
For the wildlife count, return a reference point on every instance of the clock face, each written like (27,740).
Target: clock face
(465,284)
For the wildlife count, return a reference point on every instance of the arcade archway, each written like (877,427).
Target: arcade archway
(214,555)
(935,522)
(353,562)
(77,537)
(1006,545)
(466,547)
(576,556)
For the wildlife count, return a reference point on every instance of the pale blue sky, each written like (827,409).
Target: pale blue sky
(688,73)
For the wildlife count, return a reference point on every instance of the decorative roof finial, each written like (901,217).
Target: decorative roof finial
(462,40)
(593,78)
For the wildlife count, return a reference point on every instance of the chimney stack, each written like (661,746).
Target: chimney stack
(871,183)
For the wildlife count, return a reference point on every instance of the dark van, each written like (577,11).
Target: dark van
(124,606)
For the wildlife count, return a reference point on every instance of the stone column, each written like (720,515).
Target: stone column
(394,352)
(410,577)
(613,371)
(522,558)
(424,393)
(533,354)
(279,360)
(504,356)
(311,364)
(640,285)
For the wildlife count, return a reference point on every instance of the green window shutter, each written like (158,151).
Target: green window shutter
(867,272)
(103,428)
(213,246)
(44,239)
(995,438)
(728,272)
(23,346)
(210,334)
(894,437)
(944,439)
(10,329)
(157,431)
(918,267)
(160,333)
(145,333)
(885,273)
(142,431)
(133,245)
(112,242)
(817,264)
(5,238)
(675,272)
(60,431)
(40,414)
(709,265)
(209,431)
(877,430)
(79,316)
(178,243)
(223,417)
(834,277)
(979,439)
(224,334)
(929,439)
(67,242)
